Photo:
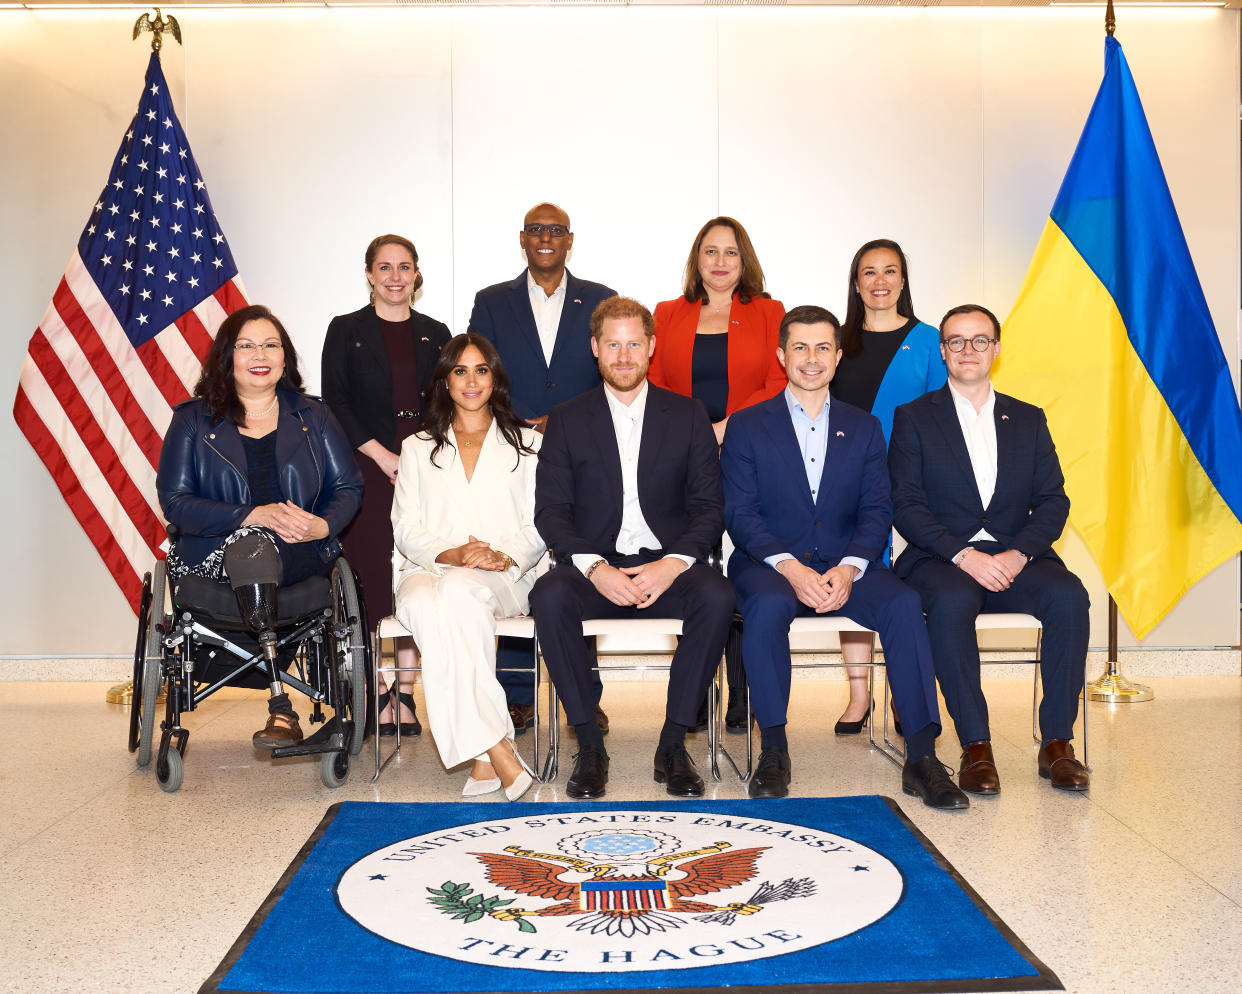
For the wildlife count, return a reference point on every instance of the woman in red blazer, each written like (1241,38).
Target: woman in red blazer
(717,341)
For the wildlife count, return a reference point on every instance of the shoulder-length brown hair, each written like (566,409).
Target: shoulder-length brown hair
(751,284)
(440,408)
(216,385)
(855,313)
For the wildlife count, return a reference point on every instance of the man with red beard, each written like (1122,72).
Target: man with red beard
(628,498)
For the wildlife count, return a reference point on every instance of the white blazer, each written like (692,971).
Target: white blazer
(435,508)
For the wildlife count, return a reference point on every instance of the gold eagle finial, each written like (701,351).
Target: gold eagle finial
(157,27)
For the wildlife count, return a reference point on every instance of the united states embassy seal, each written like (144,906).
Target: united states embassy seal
(619,890)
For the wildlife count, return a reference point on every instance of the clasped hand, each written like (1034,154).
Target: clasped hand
(637,586)
(475,554)
(821,592)
(994,573)
(288,521)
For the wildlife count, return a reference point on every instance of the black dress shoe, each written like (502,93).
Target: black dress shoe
(590,774)
(676,770)
(735,716)
(928,778)
(843,727)
(414,727)
(771,776)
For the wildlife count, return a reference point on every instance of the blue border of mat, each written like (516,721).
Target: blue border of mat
(940,937)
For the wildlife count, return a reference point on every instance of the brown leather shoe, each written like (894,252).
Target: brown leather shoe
(601,719)
(281,730)
(977,773)
(1057,763)
(522,715)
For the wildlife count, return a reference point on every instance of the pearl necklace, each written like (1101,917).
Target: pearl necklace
(261,414)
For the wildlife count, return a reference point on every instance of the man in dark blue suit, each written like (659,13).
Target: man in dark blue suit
(627,496)
(540,324)
(979,496)
(807,506)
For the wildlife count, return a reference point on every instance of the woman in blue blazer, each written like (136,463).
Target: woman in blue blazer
(891,357)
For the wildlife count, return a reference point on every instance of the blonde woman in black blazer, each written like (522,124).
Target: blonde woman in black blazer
(377,364)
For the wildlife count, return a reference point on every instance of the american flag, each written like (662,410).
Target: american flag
(124,337)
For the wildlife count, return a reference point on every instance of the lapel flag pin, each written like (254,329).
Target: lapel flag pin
(577,301)
(1004,417)
(840,434)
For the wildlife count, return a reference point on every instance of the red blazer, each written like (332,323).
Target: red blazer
(754,372)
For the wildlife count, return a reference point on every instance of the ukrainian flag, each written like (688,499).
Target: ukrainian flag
(1111,336)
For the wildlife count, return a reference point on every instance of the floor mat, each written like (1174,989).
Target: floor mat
(824,893)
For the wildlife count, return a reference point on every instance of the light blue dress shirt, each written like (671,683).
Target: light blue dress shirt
(812,435)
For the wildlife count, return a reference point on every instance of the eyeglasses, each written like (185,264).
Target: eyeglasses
(250,348)
(979,343)
(555,230)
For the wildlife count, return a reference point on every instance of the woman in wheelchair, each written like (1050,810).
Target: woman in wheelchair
(252,455)
(463,524)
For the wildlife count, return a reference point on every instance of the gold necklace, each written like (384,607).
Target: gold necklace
(261,414)
(465,442)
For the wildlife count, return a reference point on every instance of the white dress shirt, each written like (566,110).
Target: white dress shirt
(547,312)
(812,434)
(979,430)
(635,533)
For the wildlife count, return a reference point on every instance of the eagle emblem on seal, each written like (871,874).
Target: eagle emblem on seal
(642,885)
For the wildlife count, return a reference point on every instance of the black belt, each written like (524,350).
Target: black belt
(407,414)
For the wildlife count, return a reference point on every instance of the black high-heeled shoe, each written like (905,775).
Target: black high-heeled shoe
(414,727)
(853,727)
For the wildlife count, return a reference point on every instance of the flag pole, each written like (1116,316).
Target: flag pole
(123,693)
(1112,687)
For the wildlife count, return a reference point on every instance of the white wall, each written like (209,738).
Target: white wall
(947,129)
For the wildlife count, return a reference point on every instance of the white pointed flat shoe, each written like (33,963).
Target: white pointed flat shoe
(474,788)
(524,780)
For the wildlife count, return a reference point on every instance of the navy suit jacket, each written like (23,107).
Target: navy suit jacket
(578,488)
(936,503)
(768,505)
(503,316)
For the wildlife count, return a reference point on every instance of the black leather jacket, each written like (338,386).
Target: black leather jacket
(202,480)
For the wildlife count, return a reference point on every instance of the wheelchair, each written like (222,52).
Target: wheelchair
(193,639)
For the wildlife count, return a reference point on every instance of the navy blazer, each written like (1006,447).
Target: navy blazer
(357,376)
(203,486)
(578,488)
(503,316)
(768,505)
(936,503)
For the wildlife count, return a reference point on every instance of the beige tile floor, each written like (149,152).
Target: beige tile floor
(1136,887)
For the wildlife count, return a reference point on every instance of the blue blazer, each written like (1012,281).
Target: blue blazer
(503,316)
(936,503)
(768,506)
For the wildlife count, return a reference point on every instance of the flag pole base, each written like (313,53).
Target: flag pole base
(1113,688)
(121,693)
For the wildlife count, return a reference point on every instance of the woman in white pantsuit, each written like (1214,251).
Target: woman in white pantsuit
(463,523)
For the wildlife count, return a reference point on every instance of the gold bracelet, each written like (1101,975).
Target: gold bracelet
(509,560)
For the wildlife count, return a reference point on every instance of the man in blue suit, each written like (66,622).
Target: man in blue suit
(540,323)
(979,496)
(807,506)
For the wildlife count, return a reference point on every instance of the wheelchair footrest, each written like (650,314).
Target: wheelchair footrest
(331,738)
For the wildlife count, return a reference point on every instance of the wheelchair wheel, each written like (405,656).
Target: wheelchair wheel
(140,655)
(351,657)
(333,768)
(170,772)
(146,700)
